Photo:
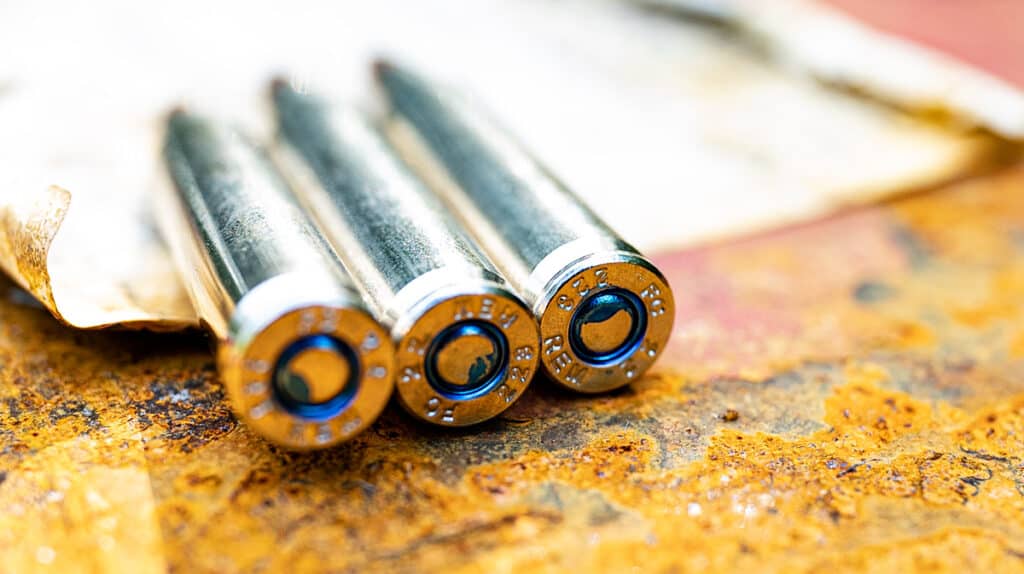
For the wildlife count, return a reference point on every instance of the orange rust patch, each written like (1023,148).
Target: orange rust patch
(876,429)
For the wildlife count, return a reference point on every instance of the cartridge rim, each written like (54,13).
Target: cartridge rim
(506,328)
(253,360)
(628,306)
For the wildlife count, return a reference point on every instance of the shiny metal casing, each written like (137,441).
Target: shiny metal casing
(466,346)
(304,363)
(605,311)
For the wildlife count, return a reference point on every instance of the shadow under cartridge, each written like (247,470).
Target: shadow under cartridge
(304,363)
(605,311)
(466,346)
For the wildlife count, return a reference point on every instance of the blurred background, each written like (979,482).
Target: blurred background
(679,121)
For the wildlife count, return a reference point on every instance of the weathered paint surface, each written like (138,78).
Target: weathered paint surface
(842,396)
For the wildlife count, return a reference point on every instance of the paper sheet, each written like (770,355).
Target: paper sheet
(673,131)
(961,59)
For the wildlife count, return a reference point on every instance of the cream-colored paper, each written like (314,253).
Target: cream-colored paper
(672,131)
(842,50)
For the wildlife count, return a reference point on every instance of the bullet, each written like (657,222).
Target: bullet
(466,345)
(304,363)
(605,311)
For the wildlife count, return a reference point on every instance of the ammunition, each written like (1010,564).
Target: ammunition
(466,346)
(304,363)
(605,311)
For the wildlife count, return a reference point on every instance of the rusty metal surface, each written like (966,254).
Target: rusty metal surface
(845,395)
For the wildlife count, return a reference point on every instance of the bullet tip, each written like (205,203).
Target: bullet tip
(177,113)
(382,67)
(279,84)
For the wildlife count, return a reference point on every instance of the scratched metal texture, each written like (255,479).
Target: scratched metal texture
(845,395)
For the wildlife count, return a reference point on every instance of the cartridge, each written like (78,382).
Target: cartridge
(466,346)
(605,311)
(304,363)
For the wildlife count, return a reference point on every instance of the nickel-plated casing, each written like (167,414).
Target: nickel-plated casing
(605,311)
(466,346)
(304,363)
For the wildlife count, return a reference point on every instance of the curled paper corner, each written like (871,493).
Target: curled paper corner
(26,233)
(29,232)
